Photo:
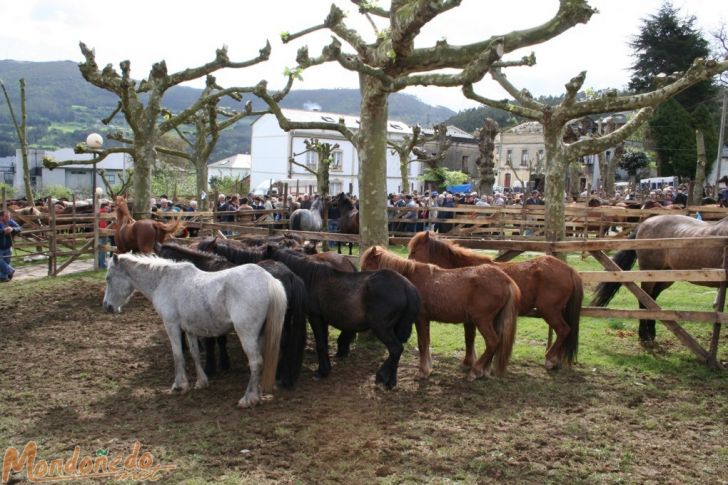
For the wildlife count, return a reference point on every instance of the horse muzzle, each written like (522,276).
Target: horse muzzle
(111,309)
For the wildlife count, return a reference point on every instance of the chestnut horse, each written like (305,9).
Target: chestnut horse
(549,288)
(483,296)
(141,236)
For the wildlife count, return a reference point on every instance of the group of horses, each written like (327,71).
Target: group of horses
(265,289)
(312,219)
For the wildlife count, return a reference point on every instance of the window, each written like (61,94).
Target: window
(8,178)
(396,126)
(524,158)
(509,156)
(337,161)
(328,119)
(111,178)
(464,166)
(336,187)
(311,159)
(539,156)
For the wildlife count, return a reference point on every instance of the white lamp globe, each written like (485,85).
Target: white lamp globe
(94,140)
(99,191)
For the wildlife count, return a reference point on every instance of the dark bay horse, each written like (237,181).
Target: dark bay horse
(483,296)
(140,236)
(348,218)
(549,288)
(660,227)
(382,301)
(293,340)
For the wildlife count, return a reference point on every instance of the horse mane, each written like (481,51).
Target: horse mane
(345,200)
(238,255)
(172,250)
(443,249)
(308,269)
(390,260)
(151,261)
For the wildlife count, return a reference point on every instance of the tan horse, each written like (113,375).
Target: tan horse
(549,288)
(482,296)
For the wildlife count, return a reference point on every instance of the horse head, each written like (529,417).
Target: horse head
(119,287)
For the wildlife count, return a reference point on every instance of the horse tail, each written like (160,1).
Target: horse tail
(273,330)
(296,221)
(505,327)
(165,229)
(403,329)
(294,334)
(572,315)
(625,260)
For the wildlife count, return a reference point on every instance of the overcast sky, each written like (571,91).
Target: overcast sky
(186,34)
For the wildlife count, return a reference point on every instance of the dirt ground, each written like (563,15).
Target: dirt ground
(72,375)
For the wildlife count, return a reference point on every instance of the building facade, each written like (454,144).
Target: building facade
(272,148)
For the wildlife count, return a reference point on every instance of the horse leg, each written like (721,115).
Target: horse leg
(351,248)
(554,319)
(338,245)
(387,373)
(321,335)
(210,364)
(482,366)
(647,329)
(343,343)
(423,345)
(251,347)
(224,357)
(193,344)
(180,376)
(469,359)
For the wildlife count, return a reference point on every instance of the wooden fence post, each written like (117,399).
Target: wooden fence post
(719,307)
(52,238)
(95,252)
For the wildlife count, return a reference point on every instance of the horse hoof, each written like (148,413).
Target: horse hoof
(475,374)
(648,344)
(551,365)
(181,388)
(248,402)
(466,364)
(201,384)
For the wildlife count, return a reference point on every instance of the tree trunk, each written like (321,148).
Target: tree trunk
(404,171)
(611,174)
(201,175)
(486,160)
(372,149)
(697,194)
(144,156)
(556,167)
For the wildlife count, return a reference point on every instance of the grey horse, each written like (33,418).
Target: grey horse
(308,219)
(207,305)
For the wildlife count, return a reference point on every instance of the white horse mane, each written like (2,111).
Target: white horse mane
(151,261)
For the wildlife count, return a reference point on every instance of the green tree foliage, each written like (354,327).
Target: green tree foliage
(473,118)
(667,44)
(674,138)
(633,162)
(442,177)
(229,185)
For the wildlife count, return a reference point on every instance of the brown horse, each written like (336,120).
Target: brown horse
(660,227)
(549,288)
(482,296)
(140,236)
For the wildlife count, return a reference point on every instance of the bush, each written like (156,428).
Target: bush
(54,191)
(9,190)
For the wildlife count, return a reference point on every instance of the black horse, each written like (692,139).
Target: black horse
(348,218)
(383,301)
(293,341)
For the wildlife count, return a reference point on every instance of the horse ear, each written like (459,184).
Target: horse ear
(427,236)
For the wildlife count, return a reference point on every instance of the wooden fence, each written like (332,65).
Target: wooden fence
(65,238)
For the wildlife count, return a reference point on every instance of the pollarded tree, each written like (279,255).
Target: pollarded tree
(141,104)
(391,62)
(405,148)
(21,130)
(486,160)
(555,119)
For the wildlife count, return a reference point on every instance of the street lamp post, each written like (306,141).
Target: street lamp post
(95,142)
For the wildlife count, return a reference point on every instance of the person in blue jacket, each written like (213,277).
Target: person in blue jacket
(8,228)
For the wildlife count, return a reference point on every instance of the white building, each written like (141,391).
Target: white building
(78,178)
(271,149)
(235,167)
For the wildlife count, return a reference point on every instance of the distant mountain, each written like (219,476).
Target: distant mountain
(63,108)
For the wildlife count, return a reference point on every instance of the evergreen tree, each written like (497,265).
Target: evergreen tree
(671,131)
(704,121)
(667,44)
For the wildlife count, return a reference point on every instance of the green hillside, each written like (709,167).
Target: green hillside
(63,108)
